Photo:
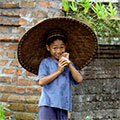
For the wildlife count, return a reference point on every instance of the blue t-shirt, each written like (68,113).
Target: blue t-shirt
(58,92)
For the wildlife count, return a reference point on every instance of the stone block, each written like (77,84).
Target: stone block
(24,116)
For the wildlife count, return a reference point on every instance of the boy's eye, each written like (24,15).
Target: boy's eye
(55,48)
(62,47)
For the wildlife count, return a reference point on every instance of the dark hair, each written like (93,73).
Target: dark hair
(52,39)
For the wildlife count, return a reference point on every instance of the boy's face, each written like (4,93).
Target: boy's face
(56,48)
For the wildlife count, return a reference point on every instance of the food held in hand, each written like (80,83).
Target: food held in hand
(68,61)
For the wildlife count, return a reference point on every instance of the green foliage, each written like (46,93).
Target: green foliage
(88,118)
(111,11)
(98,16)
(100,10)
(72,6)
(65,5)
(85,4)
(3,108)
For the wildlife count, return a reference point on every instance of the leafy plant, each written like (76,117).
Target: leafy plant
(111,11)
(72,6)
(3,108)
(65,5)
(98,16)
(100,10)
(85,4)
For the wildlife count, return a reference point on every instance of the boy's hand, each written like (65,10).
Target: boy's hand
(61,65)
(66,55)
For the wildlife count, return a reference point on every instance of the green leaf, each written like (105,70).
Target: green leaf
(88,118)
(65,5)
(2,118)
(4,108)
(86,5)
(111,10)
(1,114)
(72,6)
(100,10)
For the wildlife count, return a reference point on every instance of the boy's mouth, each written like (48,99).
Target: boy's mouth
(58,56)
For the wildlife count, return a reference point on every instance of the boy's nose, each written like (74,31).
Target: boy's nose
(58,51)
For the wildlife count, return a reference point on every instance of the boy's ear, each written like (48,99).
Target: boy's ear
(47,47)
(65,47)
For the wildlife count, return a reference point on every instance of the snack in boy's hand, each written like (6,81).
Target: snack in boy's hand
(68,61)
(66,55)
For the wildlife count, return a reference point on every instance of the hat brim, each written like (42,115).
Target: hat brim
(81,43)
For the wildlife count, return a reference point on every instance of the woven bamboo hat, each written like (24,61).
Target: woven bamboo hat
(81,42)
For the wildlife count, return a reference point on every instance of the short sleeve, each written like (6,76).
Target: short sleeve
(43,69)
(73,81)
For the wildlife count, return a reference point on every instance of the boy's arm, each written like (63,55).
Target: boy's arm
(47,79)
(75,74)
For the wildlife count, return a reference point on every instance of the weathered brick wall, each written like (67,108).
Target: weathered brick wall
(96,96)
(17,86)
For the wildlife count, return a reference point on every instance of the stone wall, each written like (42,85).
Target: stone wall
(97,96)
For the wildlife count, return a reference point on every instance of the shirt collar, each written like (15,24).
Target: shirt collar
(53,60)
